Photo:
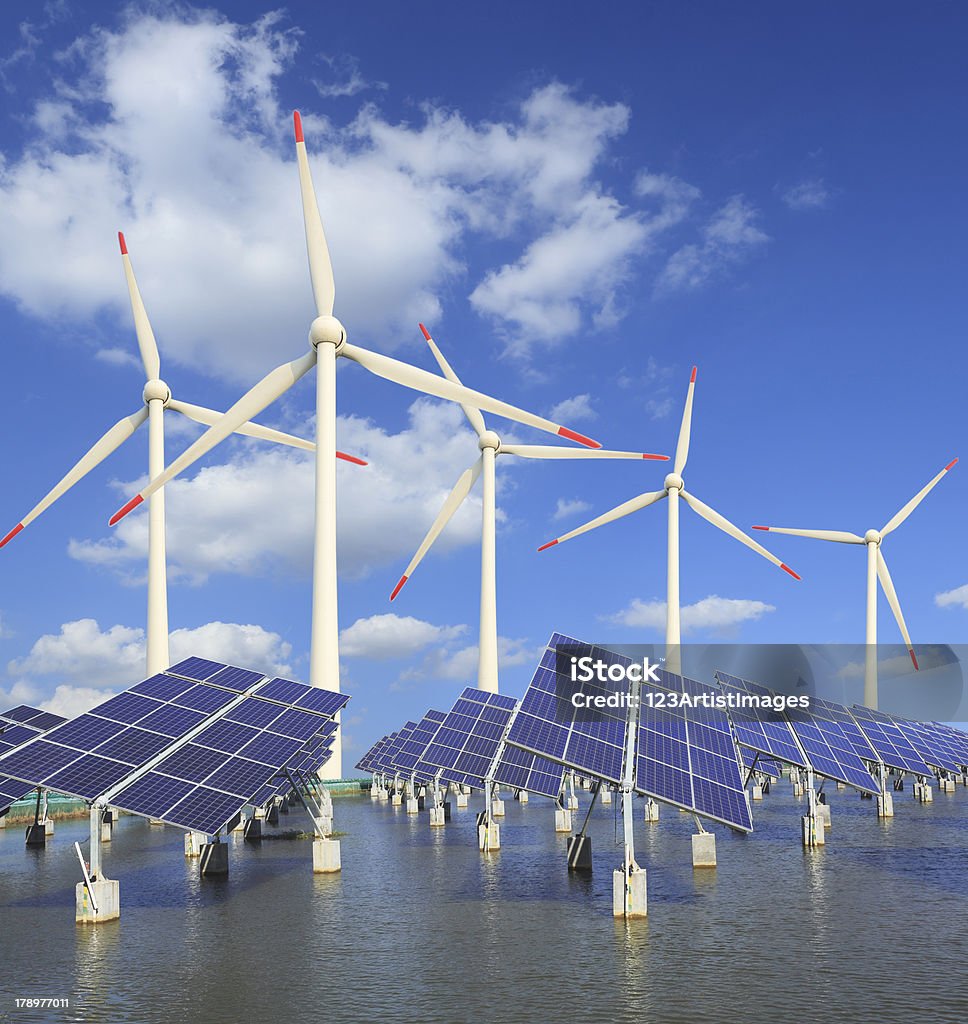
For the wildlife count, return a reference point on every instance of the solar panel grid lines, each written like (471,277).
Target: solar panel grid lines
(365,762)
(407,757)
(957,740)
(523,770)
(18,726)
(754,761)
(931,746)
(767,732)
(893,748)
(24,714)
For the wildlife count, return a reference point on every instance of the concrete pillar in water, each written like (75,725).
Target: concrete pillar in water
(396,799)
(704,850)
(885,805)
(214,859)
(605,795)
(106,829)
(253,830)
(36,835)
(326,856)
(497,808)
(651,810)
(413,805)
(462,799)
(107,895)
(572,803)
(193,843)
(489,836)
(562,820)
(757,792)
(633,901)
(812,829)
(48,826)
(579,853)
(156,821)
(437,819)
(522,796)
(272,814)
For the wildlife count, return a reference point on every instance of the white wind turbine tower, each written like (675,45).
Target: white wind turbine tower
(327,341)
(491,447)
(157,399)
(876,570)
(674,489)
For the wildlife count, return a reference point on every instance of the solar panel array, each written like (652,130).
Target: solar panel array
(407,757)
(523,770)
(466,743)
(211,745)
(367,761)
(547,724)
(753,761)
(890,744)
(763,730)
(18,725)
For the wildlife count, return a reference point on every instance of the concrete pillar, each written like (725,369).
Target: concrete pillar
(631,903)
(326,856)
(193,844)
(572,803)
(605,795)
(3,821)
(396,799)
(214,859)
(497,808)
(824,811)
(885,805)
(704,850)
(253,830)
(36,835)
(466,790)
(812,830)
(841,785)
(446,810)
(651,810)
(437,817)
(797,788)
(106,829)
(562,820)
(926,793)
(757,792)
(324,824)
(156,821)
(107,895)
(382,794)
(489,836)
(48,826)
(462,799)
(523,796)
(413,805)
(579,853)
(272,814)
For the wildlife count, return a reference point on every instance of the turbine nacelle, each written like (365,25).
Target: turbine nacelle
(872,537)
(489,440)
(157,391)
(674,482)
(326,330)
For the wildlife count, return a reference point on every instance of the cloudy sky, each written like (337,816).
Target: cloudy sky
(581,210)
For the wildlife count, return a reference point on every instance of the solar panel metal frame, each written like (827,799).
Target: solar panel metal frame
(892,747)
(12,790)
(406,759)
(772,736)
(532,773)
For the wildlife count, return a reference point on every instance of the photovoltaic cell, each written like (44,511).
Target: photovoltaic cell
(18,726)
(763,730)
(523,770)
(197,668)
(161,687)
(410,751)
(893,748)
(754,761)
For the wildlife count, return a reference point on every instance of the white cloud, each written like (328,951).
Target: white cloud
(729,236)
(811,194)
(170,128)
(384,508)
(570,507)
(572,410)
(382,637)
(347,79)
(957,598)
(460,665)
(95,663)
(713,612)
(117,357)
(659,408)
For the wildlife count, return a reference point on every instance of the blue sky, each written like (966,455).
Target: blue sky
(581,210)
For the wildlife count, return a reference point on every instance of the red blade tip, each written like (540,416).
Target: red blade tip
(124,252)
(692,379)
(297,126)
(351,458)
(655,458)
(399,587)
(13,533)
(787,568)
(125,509)
(580,438)
(950,464)
(426,333)
(914,658)
(762,528)
(550,544)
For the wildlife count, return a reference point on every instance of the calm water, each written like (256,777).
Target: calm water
(421,927)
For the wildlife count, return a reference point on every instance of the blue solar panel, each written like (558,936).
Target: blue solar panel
(204,810)
(410,751)
(381,757)
(87,776)
(285,690)
(893,748)
(23,714)
(87,732)
(205,698)
(128,708)
(466,743)
(192,763)
(197,668)
(240,776)
(366,762)
(326,702)
(232,678)
(227,736)
(134,746)
(271,749)
(257,713)
(162,687)
(14,735)
(764,730)
(153,794)
(522,770)
(172,721)
(757,762)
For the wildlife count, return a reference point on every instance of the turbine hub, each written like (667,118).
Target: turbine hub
(489,440)
(326,330)
(674,482)
(157,391)
(872,537)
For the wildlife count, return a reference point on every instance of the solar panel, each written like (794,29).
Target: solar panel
(381,758)
(686,754)
(365,762)
(523,770)
(410,751)
(763,730)
(464,747)
(23,714)
(893,748)
(893,740)
(957,740)
(757,762)
(18,726)
(547,724)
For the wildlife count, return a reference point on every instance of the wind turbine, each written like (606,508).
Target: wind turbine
(157,400)
(491,447)
(674,489)
(327,341)
(876,570)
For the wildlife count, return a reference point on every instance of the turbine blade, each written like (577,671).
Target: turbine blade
(209,418)
(712,516)
(439,387)
(887,585)
(473,415)
(685,428)
(146,337)
(108,443)
(553,451)
(320,267)
(626,508)
(895,521)
(840,536)
(275,383)
(454,500)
